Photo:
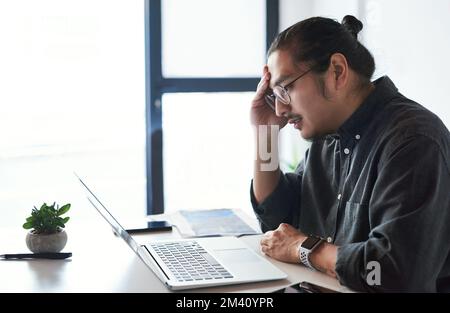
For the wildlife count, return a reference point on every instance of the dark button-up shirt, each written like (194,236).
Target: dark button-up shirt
(379,189)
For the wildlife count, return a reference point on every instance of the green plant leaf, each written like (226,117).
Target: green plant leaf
(28,225)
(47,220)
(64,209)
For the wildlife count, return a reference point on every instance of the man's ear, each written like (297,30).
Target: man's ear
(339,70)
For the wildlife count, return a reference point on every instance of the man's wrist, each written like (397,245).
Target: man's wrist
(324,258)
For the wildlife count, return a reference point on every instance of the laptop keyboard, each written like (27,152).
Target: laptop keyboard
(188,261)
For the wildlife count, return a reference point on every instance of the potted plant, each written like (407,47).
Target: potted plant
(47,228)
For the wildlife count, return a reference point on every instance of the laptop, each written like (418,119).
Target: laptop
(195,263)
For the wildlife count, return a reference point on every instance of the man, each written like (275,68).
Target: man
(373,191)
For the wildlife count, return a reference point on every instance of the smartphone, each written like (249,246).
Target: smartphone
(151,226)
(305,287)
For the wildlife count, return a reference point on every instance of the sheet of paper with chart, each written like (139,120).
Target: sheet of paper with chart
(213,222)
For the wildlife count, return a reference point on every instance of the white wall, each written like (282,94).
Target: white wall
(293,11)
(410,40)
(411,44)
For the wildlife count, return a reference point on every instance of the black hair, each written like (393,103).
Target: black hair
(314,40)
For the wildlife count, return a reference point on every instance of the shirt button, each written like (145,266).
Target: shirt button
(346,150)
(329,239)
(339,196)
(357,137)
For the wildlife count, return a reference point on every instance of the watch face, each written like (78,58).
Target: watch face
(310,242)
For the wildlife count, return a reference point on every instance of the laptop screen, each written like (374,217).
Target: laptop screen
(120,231)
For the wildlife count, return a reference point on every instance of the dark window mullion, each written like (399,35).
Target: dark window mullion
(272,21)
(155,192)
(208,84)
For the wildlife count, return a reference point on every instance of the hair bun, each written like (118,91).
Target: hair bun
(352,24)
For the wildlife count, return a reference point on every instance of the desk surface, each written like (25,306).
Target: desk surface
(102,262)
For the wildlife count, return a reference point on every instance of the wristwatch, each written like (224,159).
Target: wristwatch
(308,246)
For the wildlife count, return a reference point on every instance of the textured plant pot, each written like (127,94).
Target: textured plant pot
(39,243)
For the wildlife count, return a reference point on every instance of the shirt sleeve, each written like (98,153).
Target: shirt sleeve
(283,204)
(409,220)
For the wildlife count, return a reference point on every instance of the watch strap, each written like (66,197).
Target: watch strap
(304,257)
(304,253)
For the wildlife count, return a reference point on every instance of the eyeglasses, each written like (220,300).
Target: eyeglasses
(281,93)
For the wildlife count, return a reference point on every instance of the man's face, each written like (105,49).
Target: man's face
(307,102)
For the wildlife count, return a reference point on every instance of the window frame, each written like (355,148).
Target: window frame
(156,85)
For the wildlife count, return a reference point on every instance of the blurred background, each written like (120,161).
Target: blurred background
(73,95)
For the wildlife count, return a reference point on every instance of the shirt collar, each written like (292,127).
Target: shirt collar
(355,125)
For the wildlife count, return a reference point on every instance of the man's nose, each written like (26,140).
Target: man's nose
(281,109)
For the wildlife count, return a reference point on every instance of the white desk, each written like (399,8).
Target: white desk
(102,262)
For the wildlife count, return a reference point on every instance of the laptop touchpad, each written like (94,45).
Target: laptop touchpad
(237,256)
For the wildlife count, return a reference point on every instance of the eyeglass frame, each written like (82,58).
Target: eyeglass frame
(271,98)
